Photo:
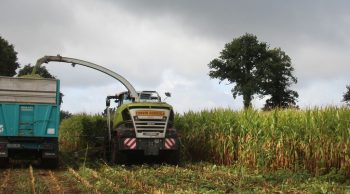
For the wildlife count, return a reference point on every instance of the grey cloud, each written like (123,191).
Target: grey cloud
(225,19)
(318,28)
(144,40)
(35,27)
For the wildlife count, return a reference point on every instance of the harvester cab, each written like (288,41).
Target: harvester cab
(140,124)
(144,96)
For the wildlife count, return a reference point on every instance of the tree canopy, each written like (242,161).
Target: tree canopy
(42,71)
(275,79)
(346,96)
(238,63)
(256,69)
(8,59)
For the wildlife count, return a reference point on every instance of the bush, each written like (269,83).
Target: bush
(81,131)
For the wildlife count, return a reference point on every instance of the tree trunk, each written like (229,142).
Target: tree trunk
(247,100)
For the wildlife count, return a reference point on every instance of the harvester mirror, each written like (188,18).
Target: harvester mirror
(61,98)
(167,94)
(108,102)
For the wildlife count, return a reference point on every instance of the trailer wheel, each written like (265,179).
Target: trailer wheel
(4,162)
(50,163)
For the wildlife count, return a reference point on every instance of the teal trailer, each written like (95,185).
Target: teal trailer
(29,119)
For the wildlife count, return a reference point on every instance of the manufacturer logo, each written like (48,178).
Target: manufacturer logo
(26,108)
(149,113)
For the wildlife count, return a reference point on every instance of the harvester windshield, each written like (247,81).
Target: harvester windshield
(145,96)
(149,96)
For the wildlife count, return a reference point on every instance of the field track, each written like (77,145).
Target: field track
(186,178)
(28,179)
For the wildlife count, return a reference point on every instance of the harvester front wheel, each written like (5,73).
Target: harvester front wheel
(172,157)
(117,156)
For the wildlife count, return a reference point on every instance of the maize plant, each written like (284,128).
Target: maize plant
(316,140)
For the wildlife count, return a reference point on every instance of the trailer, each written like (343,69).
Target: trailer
(29,120)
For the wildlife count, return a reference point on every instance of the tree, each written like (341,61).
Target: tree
(256,69)
(275,76)
(346,96)
(8,59)
(65,114)
(238,63)
(42,71)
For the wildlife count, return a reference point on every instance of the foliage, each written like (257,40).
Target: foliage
(80,131)
(8,59)
(315,140)
(238,63)
(41,71)
(346,96)
(275,78)
(255,69)
(65,114)
(32,76)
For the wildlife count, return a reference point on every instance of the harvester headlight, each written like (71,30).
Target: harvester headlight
(50,131)
(136,118)
(164,118)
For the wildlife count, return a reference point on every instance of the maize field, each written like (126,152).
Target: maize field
(316,140)
(223,151)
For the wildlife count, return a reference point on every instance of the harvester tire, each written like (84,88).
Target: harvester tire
(117,156)
(113,152)
(173,157)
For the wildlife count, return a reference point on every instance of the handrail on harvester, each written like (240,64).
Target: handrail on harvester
(73,61)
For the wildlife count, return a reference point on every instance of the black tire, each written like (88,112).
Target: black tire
(121,158)
(112,151)
(50,163)
(117,156)
(172,157)
(4,162)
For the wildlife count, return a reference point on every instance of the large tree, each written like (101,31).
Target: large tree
(346,96)
(256,69)
(238,63)
(275,78)
(42,71)
(8,59)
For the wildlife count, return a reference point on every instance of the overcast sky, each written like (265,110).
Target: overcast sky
(165,45)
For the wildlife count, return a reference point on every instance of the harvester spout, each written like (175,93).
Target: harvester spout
(74,62)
